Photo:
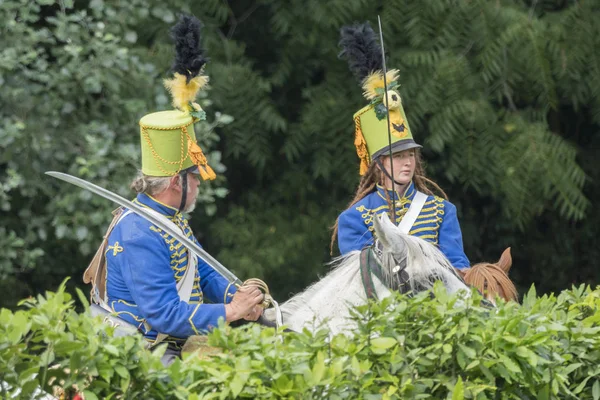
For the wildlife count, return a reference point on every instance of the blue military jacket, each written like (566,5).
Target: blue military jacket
(436,223)
(143,266)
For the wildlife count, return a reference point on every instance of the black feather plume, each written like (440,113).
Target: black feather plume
(361,48)
(189,55)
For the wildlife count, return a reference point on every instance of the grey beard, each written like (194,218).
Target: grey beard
(192,206)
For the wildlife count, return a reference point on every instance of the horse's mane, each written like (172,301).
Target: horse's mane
(341,268)
(425,262)
(425,265)
(491,279)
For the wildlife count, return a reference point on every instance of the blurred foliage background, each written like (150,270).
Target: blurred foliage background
(503,95)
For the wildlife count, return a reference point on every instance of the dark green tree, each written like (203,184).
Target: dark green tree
(503,95)
(492,89)
(73,88)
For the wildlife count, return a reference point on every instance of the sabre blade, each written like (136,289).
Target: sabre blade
(387,110)
(177,234)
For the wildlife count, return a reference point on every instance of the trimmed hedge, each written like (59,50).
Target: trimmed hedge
(409,348)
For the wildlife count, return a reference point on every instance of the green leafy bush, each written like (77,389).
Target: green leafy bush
(546,348)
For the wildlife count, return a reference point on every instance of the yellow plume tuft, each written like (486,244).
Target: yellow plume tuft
(184,92)
(374,81)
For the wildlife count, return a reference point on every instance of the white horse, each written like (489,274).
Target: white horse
(328,302)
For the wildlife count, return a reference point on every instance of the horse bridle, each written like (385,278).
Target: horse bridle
(371,264)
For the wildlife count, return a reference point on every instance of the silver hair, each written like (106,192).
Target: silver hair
(151,185)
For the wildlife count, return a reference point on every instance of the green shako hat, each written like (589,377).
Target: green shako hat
(167,138)
(361,48)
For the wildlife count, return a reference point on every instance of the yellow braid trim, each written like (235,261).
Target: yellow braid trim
(361,146)
(169,128)
(155,154)
(194,152)
(199,159)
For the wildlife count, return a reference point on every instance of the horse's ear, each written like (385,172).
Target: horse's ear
(379,222)
(505,261)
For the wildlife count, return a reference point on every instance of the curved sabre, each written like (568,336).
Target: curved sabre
(387,110)
(187,242)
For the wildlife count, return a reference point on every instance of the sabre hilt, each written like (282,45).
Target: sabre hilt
(267,302)
(262,286)
(268,299)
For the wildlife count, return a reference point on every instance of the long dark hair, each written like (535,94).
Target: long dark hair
(368,184)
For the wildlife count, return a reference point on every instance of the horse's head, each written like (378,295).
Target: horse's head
(422,262)
(396,262)
(491,279)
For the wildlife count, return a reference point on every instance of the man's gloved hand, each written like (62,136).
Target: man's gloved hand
(244,304)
